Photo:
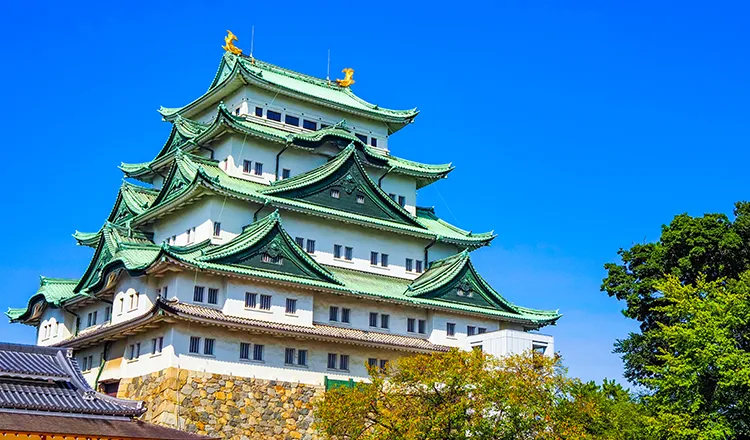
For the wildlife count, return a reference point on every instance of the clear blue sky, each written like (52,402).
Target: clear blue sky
(576,127)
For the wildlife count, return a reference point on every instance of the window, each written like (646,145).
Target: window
(333,313)
(383,364)
(291,306)
(274,116)
(402,201)
(419,266)
(372,362)
(302,357)
(410,324)
(244,350)
(373,319)
(332,361)
(384,260)
(373,142)
(265,302)
(87,325)
(132,301)
(289,356)
(217,229)
(335,193)
(481,330)
(471,330)
(258,352)
(122,304)
(345,315)
(157,345)
(85,364)
(373,258)
(277,260)
(286,173)
(130,352)
(258,169)
(57,328)
(539,348)
(137,350)
(198,294)
(322,126)
(310,246)
(291,120)
(409,264)
(165,291)
(300,241)
(362,137)
(259,112)
(344,362)
(251,300)
(208,347)
(195,343)
(190,235)
(450,329)
(392,196)
(385,321)
(310,125)
(360,199)
(213,296)
(422,326)
(348,253)
(237,111)
(336,251)
(247,166)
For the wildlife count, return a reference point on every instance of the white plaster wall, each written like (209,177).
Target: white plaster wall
(121,310)
(438,251)
(51,317)
(397,184)
(235,303)
(438,326)
(232,214)
(509,342)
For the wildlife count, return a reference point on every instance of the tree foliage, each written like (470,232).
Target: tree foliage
(469,395)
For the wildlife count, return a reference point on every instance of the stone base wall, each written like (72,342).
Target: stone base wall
(223,406)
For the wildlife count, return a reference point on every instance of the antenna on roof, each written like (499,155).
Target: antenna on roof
(328,71)
(252,42)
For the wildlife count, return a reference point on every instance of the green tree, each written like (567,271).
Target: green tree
(712,246)
(701,381)
(469,395)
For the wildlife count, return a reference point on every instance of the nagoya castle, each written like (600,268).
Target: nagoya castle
(272,248)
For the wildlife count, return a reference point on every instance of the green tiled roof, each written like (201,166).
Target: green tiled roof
(196,133)
(289,83)
(51,290)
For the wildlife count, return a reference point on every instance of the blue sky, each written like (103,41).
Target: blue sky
(576,128)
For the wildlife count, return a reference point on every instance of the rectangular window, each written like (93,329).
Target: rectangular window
(93,319)
(372,362)
(289,356)
(130,352)
(385,321)
(88,321)
(258,169)
(345,315)
(373,319)
(237,111)
(258,352)
(322,126)
(419,266)
(402,201)
(85,364)
(138,350)
(247,166)
(291,306)
(348,253)
(122,304)
(373,258)
(251,300)
(217,229)
(471,330)
(132,301)
(265,302)
(450,329)
(392,196)
(244,350)
(362,137)
(198,294)
(302,357)
(333,313)
(383,364)
(195,343)
(310,125)
(344,362)
(57,328)
(208,346)
(373,142)
(259,112)
(335,193)
(336,251)
(300,242)
(384,260)
(286,173)
(410,324)
(360,199)
(409,265)
(157,345)
(213,296)
(422,326)
(332,361)
(107,313)
(291,120)
(481,330)
(310,246)
(274,116)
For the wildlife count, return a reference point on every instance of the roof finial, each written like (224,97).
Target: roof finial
(229,43)
(328,68)
(347,81)
(252,44)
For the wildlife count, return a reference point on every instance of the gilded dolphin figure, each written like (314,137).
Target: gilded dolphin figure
(229,43)
(347,81)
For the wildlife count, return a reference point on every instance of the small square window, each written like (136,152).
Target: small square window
(373,319)
(247,166)
(373,142)
(258,169)
(471,330)
(348,253)
(259,112)
(213,296)
(333,313)
(360,199)
(481,330)
(251,300)
(402,201)
(383,364)
(384,260)
(291,120)
(286,173)
(195,343)
(291,306)
(310,246)
(345,315)
(244,350)
(410,323)
(274,116)
(300,241)
(265,302)
(322,126)
(198,293)
(208,347)
(362,138)
(450,329)
(392,196)
(258,352)
(409,264)
(237,111)
(310,125)
(372,362)
(374,258)
(335,193)
(336,251)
